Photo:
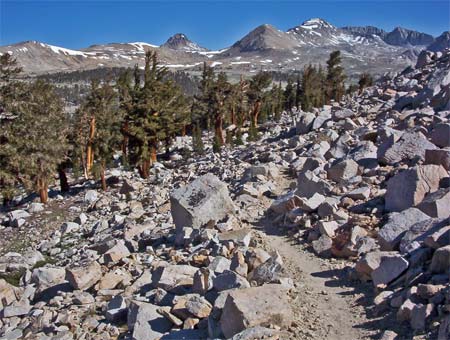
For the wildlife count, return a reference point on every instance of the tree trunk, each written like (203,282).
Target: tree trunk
(153,155)
(63,182)
(89,151)
(43,190)
(256,110)
(125,139)
(233,115)
(144,169)
(102,176)
(219,129)
(183,130)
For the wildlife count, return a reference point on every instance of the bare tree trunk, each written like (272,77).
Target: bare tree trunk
(219,129)
(233,115)
(43,190)
(153,155)
(256,111)
(144,169)
(125,139)
(102,176)
(89,151)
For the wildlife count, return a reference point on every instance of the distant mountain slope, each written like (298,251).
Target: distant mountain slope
(365,48)
(441,43)
(399,36)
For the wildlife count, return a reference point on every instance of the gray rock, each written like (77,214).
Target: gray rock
(219,264)
(342,114)
(419,232)
(305,123)
(267,272)
(409,187)
(313,203)
(46,277)
(397,225)
(116,310)
(440,262)
(204,201)
(263,306)
(145,322)
(240,237)
(85,276)
(438,157)
(343,170)
(322,246)
(229,280)
(412,145)
(436,204)
(308,184)
(35,207)
(198,306)
(91,196)
(441,135)
(391,266)
(173,276)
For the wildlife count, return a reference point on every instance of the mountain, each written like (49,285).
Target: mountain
(399,36)
(366,31)
(441,43)
(364,49)
(264,37)
(180,42)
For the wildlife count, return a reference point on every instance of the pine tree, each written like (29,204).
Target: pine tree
(101,108)
(41,143)
(257,86)
(365,80)
(335,77)
(289,95)
(11,93)
(298,92)
(159,110)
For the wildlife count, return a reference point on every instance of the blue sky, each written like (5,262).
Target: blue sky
(213,24)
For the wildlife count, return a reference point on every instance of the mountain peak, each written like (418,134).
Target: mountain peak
(316,23)
(181,42)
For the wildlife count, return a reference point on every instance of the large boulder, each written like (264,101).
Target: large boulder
(173,276)
(85,276)
(409,187)
(343,170)
(305,123)
(264,306)
(308,184)
(206,200)
(441,135)
(145,322)
(398,223)
(437,204)
(411,145)
(438,157)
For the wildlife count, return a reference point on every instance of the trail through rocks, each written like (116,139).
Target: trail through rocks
(326,303)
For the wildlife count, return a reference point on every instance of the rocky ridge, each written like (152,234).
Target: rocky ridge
(190,252)
(364,49)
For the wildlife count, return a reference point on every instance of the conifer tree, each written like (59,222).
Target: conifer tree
(159,110)
(335,77)
(298,92)
(11,93)
(257,86)
(289,95)
(365,80)
(101,107)
(41,142)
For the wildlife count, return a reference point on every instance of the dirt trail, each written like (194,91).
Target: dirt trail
(326,304)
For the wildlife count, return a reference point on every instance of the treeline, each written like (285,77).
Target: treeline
(137,114)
